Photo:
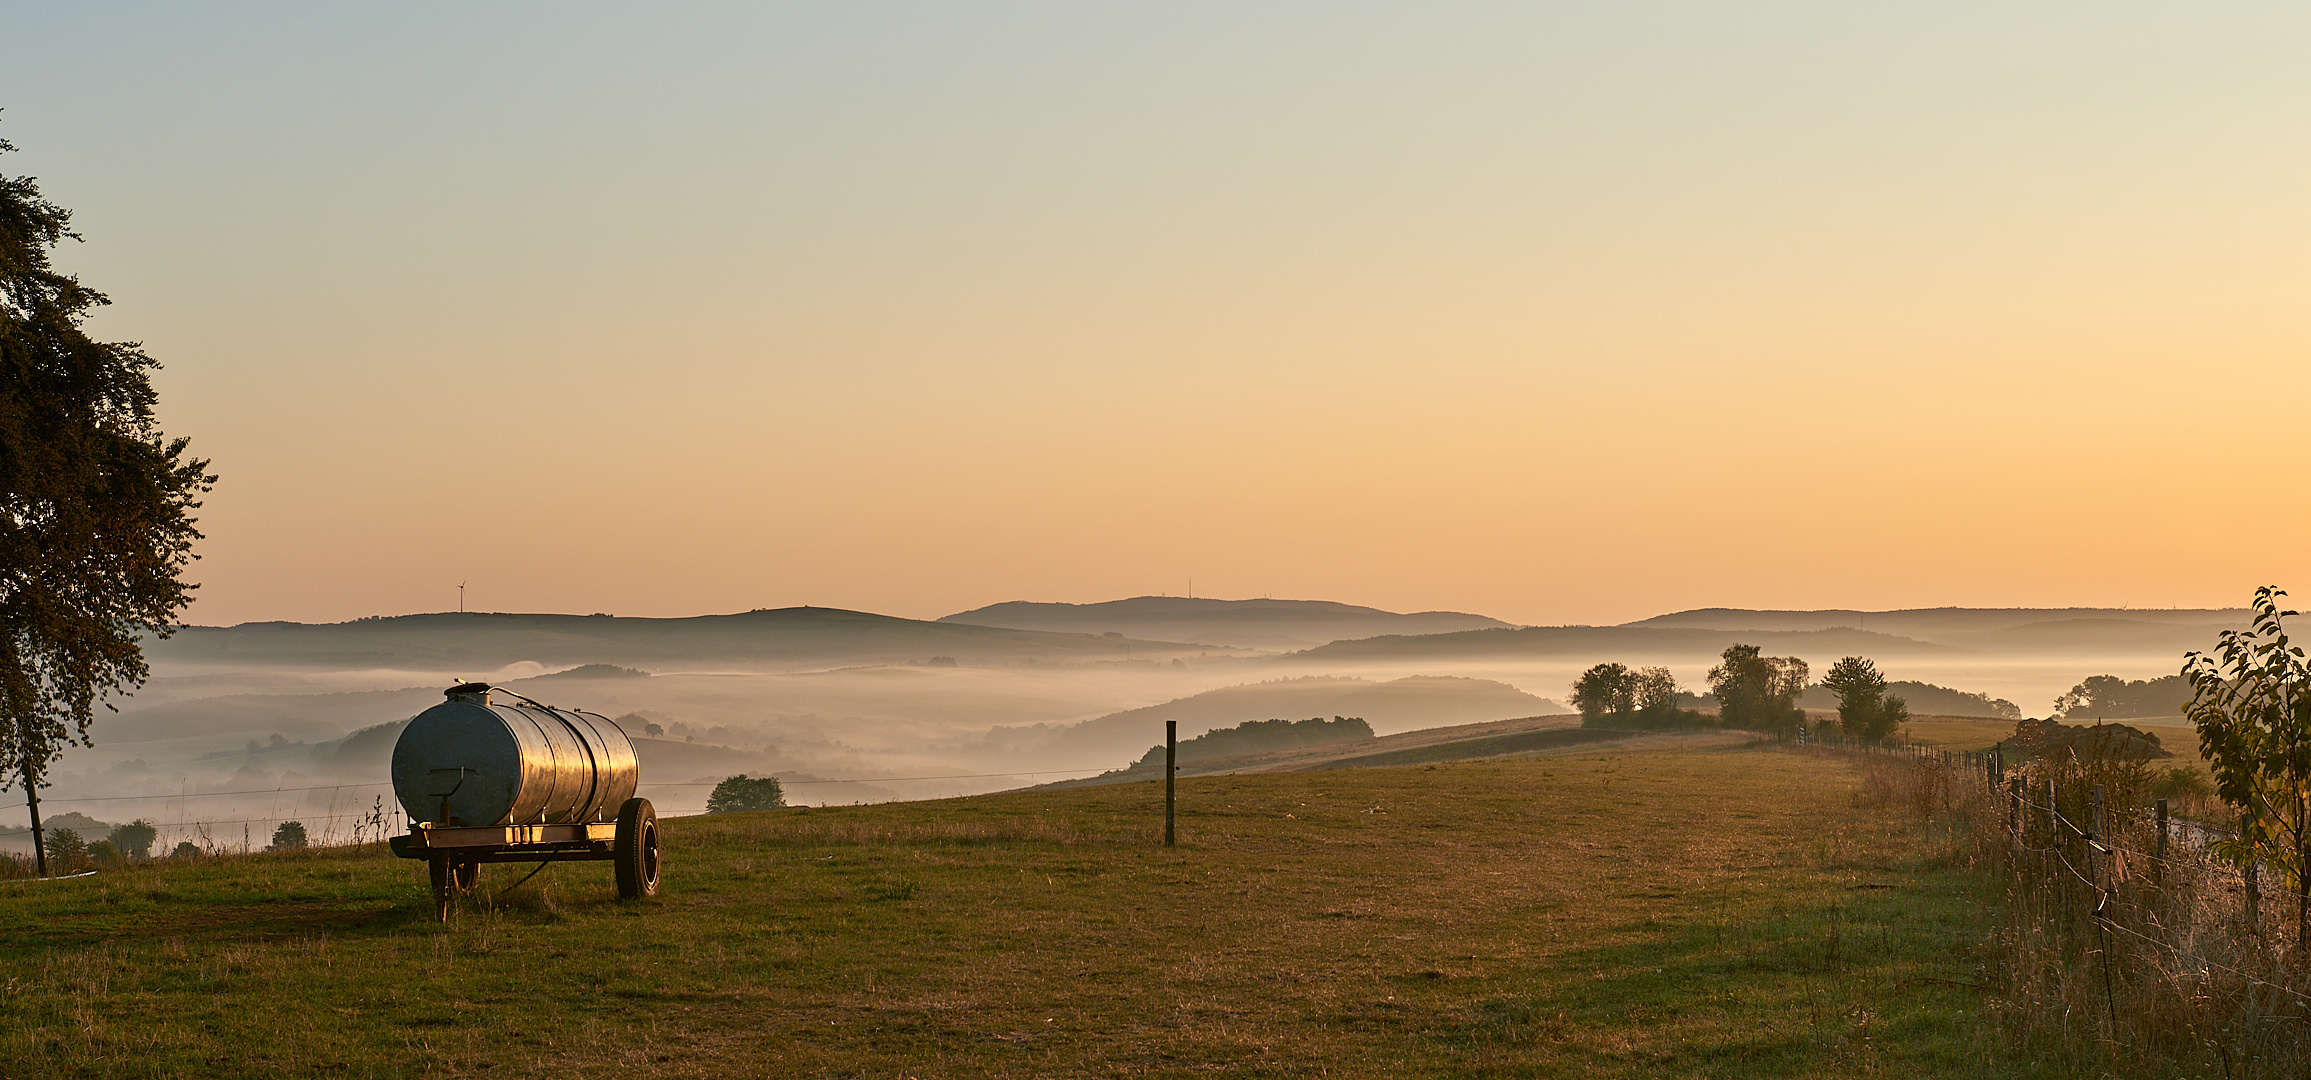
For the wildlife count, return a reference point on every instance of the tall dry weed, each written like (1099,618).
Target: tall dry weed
(2111,953)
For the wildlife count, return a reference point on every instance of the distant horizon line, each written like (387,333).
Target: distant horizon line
(1508,624)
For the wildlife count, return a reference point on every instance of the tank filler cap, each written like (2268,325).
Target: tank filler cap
(476,692)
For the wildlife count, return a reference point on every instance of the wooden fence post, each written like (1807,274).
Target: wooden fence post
(2159,862)
(2014,809)
(1171,774)
(2254,890)
(2098,839)
(2302,877)
(2053,821)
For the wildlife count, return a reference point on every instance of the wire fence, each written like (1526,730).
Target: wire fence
(2127,937)
(362,813)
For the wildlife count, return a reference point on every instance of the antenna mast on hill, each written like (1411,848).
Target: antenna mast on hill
(461,598)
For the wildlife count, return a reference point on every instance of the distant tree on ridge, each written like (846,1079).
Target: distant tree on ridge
(739,794)
(1865,709)
(1757,691)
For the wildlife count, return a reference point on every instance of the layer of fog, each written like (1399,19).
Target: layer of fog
(840,735)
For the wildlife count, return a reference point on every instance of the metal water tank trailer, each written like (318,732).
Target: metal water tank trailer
(474,761)
(492,781)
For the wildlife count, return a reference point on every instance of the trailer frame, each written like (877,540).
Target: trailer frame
(454,853)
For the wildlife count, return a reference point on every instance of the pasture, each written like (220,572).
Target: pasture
(1617,913)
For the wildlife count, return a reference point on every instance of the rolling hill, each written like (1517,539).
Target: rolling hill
(1629,644)
(1258,624)
(767,639)
(2013,630)
(1420,701)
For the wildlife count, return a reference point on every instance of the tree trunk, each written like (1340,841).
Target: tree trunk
(39,841)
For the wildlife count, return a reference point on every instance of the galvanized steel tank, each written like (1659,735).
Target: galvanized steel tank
(472,761)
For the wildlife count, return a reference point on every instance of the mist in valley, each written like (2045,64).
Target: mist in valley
(242,728)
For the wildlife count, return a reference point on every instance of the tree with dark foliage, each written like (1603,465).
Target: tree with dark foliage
(1622,696)
(739,794)
(96,524)
(289,836)
(2110,697)
(1755,691)
(67,846)
(135,839)
(1603,692)
(1865,709)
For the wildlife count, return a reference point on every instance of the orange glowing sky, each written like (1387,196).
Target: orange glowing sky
(1548,312)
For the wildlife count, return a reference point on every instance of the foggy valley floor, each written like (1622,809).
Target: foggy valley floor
(243,728)
(1617,913)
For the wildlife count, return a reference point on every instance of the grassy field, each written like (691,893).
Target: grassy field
(1613,914)
(1957,732)
(1974,733)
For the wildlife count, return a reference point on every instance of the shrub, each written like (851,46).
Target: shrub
(186,849)
(289,836)
(2251,704)
(2182,782)
(66,851)
(1261,737)
(2057,740)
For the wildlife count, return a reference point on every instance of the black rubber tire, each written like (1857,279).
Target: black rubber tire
(635,851)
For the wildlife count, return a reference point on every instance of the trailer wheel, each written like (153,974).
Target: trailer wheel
(450,877)
(635,850)
(437,868)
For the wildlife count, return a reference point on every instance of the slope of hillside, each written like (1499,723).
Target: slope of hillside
(2097,637)
(1261,624)
(298,716)
(1628,644)
(1455,742)
(1421,701)
(2003,628)
(1924,699)
(783,637)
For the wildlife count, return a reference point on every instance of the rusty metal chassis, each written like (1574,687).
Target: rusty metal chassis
(508,843)
(456,851)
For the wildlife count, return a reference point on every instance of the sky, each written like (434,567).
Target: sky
(1561,313)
